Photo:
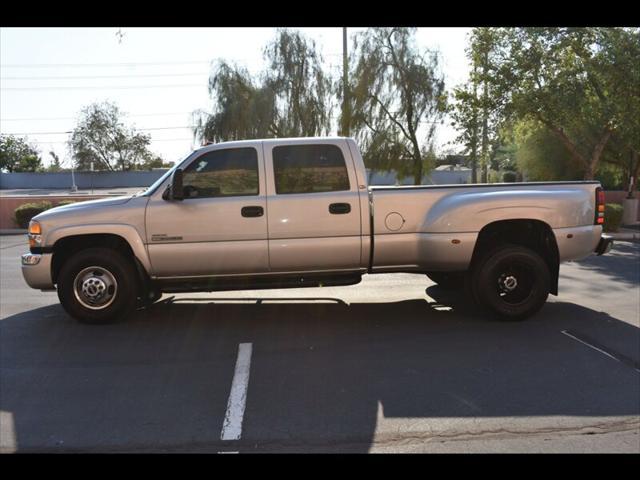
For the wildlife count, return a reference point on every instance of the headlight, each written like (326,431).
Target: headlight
(35,234)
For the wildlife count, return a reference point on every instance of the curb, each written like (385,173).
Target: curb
(625,235)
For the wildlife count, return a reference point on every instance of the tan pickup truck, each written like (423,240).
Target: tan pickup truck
(298,213)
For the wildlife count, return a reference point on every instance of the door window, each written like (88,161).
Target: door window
(222,173)
(309,169)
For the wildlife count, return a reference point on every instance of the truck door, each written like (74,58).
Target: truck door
(220,227)
(313,207)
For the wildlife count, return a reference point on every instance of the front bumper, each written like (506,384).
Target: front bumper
(36,270)
(604,245)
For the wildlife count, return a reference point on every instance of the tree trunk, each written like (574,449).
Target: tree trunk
(417,172)
(595,156)
(634,170)
(485,114)
(474,165)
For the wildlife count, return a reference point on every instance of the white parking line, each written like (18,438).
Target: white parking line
(232,427)
(613,357)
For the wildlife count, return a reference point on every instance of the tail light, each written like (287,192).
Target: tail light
(599,217)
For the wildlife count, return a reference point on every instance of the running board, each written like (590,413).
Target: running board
(218,284)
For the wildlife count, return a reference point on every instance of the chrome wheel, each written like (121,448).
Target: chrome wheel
(95,288)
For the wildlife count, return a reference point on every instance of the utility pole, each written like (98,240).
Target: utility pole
(346,116)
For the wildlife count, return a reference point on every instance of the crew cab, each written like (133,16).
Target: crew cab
(298,212)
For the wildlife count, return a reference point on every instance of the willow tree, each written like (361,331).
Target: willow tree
(242,109)
(301,87)
(290,98)
(397,97)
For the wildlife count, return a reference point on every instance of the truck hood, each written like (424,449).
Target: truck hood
(80,205)
(84,211)
(91,216)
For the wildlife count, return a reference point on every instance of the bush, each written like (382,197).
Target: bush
(612,217)
(25,212)
(509,177)
(65,202)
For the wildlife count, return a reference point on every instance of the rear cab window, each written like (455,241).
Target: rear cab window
(309,169)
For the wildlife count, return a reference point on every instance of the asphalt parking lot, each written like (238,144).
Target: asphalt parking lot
(394,364)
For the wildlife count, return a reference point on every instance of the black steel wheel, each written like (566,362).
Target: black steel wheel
(512,282)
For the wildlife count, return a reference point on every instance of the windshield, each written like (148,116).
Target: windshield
(167,174)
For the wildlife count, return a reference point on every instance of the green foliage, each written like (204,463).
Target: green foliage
(151,161)
(475,111)
(65,202)
(302,89)
(16,155)
(397,97)
(102,138)
(25,212)
(541,156)
(292,98)
(55,165)
(580,83)
(612,217)
(242,110)
(611,176)
(509,177)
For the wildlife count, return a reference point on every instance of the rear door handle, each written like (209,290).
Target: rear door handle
(253,211)
(339,208)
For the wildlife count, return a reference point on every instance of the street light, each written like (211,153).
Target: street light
(74,187)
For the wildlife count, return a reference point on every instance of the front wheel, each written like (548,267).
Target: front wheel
(512,282)
(97,285)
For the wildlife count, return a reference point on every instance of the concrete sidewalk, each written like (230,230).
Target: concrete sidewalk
(625,233)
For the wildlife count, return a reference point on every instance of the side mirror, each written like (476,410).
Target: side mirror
(175,190)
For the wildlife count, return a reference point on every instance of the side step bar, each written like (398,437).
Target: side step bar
(217,284)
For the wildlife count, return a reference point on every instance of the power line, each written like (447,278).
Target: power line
(78,77)
(152,141)
(80,65)
(108,87)
(123,64)
(74,118)
(70,131)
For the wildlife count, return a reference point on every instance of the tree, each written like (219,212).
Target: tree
(242,110)
(55,165)
(541,155)
(625,141)
(291,98)
(151,161)
(577,82)
(396,99)
(16,155)
(465,115)
(102,138)
(301,87)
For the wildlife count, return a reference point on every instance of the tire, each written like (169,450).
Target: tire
(98,286)
(152,296)
(448,280)
(512,282)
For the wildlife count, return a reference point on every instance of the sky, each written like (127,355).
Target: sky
(157,76)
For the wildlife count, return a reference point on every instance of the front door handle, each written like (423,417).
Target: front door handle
(339,208)
(253,211)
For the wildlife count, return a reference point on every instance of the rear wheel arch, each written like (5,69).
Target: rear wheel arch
(533,234)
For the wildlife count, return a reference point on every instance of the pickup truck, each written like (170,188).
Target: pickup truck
(298,212)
